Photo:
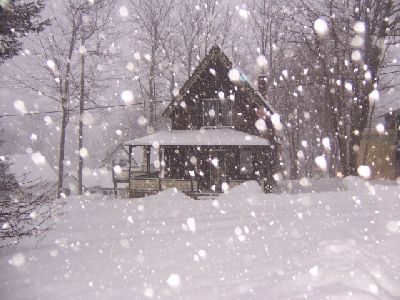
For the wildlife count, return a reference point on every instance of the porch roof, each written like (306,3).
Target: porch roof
(202,137)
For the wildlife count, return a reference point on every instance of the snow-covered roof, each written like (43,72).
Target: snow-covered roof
(206,137)
(31,168)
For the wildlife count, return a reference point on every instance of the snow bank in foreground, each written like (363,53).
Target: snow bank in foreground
(243,245)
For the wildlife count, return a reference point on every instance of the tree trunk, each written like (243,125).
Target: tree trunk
(62,147)
(293,155)
(152,95)
(64,104)
(80,133)
(354,150)
(342,143)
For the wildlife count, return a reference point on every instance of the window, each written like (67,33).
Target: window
(246,162)
(225,113)
(123,162)
(210,112)
(217,112)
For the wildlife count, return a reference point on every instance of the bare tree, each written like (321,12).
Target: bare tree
(48,69)
(190,29)
(215,24)
(350,64)
(199,26)
(268,21)
(26,208)
(152,20)
(279,74)
(55,65)
(96,19)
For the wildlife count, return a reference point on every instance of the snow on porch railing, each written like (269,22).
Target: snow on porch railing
(184,185)
(157,184)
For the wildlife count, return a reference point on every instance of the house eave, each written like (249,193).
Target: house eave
(202,137)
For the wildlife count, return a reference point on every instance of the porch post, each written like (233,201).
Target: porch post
(148,158)
(161,171)
(129,172)
(114,179)
(254,151)
(162,162)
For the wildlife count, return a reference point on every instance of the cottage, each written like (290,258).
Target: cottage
(381,149)
(222,135)
(117,161)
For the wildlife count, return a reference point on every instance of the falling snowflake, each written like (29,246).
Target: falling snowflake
(174,280)
(191,223)
(18,260)
(123,11)
(380,128)
(19,105)
(234,75)
(51,64)
(260,125)
(262,61)
(321,27)
(127,97)
(359,27)
(321,163)
(243,13)
(373,96)
(364,171)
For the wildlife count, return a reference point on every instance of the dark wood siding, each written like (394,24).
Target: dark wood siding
(186,113)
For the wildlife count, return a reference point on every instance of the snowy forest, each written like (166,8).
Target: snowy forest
(82,80)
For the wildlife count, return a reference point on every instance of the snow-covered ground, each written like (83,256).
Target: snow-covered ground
(244,245)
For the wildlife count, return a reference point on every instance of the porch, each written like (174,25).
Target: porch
(196,162)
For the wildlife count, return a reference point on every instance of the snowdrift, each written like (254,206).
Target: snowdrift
(242,245)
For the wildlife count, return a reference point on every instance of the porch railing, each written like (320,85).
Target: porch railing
(157,184)
(183,185)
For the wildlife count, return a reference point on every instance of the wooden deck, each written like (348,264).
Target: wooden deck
(145,184)
(124,194)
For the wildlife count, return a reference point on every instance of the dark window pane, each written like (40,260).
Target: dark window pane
(225,114)
(246,162)
(210,112)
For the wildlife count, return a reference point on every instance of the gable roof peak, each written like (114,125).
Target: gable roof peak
(214,56)
(215,47)
(217,53)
